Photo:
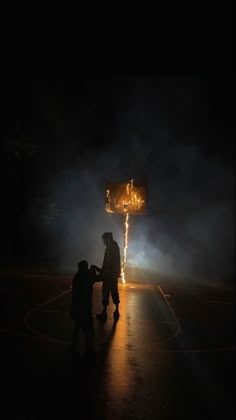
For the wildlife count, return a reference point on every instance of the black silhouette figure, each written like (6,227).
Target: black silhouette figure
(82,301)
(110,272)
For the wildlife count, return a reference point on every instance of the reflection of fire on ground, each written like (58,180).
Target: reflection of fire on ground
(119,382)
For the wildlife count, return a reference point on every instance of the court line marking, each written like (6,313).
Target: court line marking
(45,275)
(67,342)
(178,329)
(13,332)
(150,321)
(36,309)
(209,350)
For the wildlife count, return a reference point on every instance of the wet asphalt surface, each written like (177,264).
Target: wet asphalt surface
(170,355)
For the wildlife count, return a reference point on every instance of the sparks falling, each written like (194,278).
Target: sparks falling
(125,247)
(129,189)
(125,199)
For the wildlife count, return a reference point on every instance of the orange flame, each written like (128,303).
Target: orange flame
(125,198)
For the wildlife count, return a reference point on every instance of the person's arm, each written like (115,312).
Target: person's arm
(95,277)
(94,267)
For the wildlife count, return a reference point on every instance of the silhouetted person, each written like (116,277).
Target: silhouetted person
(110,272)
(82,301)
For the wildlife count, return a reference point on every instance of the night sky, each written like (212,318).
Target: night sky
(64,136)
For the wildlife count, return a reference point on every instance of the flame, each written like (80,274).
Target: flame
(108,202)
(126,203)
(132,198)
(125,247)
(125,198)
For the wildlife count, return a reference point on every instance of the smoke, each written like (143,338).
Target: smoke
(161,139)
(188,230)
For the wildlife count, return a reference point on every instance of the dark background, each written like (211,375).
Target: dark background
(65,135)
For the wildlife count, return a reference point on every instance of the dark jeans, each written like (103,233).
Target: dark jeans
(87,327)
(110,286)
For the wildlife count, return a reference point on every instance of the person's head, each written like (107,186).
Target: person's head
(83,266)
(107,238)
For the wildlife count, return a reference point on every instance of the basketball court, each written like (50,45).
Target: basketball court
(170,355)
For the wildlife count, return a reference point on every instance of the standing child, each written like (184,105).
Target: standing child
(82,302)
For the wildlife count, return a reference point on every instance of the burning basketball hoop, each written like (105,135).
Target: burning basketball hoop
(126,199)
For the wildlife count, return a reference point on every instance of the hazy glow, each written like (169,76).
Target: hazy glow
(187,230)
